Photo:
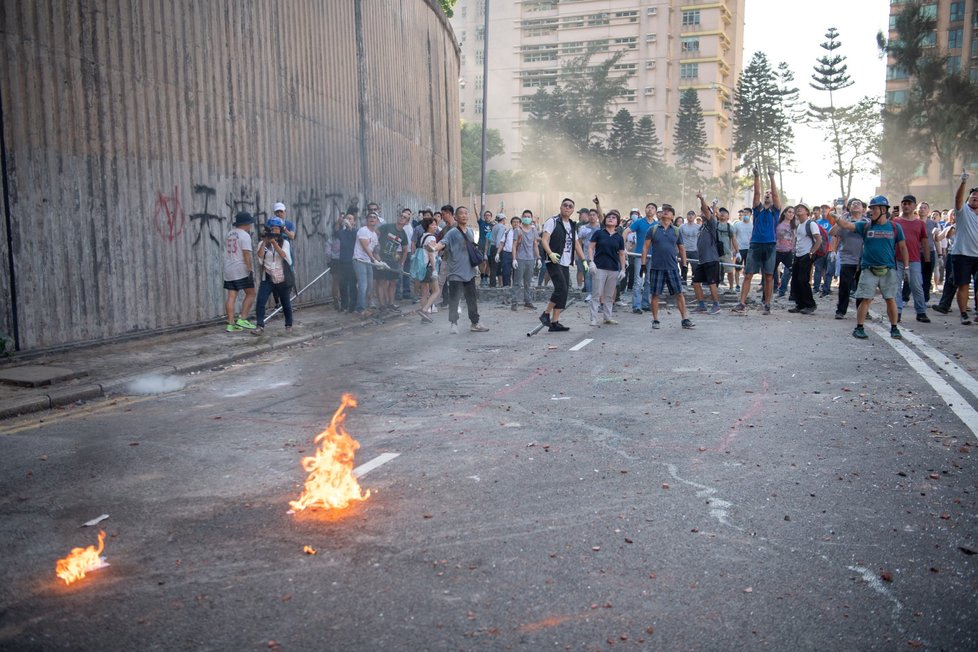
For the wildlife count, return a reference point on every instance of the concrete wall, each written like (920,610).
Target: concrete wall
(133,130)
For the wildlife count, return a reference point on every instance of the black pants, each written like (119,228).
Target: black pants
(927,272)
(492,265)
(281,292)
(455,290)
(560,276)
(848,281)
(950,288)
(348,283)
(801,287)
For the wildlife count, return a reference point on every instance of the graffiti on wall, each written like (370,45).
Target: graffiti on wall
(207,221)
(169,217)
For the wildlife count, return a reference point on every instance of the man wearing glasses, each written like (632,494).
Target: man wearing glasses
(560,244)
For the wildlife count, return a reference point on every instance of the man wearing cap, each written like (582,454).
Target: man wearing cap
(239,273)
(883,242)
(691,233)
(965,247)
(918,249)
(641,290)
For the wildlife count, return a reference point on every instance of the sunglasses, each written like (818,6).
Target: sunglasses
(567,205)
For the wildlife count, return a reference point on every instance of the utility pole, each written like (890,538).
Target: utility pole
(485,104)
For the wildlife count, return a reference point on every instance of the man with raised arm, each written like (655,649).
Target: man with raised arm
(762,255)
(965,247)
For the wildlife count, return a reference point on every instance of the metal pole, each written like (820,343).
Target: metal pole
(279,309)
(485,104)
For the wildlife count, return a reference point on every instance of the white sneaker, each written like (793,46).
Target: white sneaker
(594,322)
(434,309)
(588,298)
(454,329)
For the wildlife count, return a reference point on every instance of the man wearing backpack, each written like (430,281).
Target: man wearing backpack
(666,244)
(824,268)
(707,268)
(727,237)
(808,239)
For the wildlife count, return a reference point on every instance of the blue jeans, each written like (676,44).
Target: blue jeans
(916,288)
(506,267)
(785,259)
(641,288)
(365,279)
(280,290)
(822,282)
(587,275)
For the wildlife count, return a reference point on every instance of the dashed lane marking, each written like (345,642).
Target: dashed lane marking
(580,345)
(367,467)
(948,394)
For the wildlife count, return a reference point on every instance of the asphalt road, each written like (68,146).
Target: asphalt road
(760,482)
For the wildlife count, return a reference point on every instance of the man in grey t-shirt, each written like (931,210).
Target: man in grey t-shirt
(461,273)
(850,251)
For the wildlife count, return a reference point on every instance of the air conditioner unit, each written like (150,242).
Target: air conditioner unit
(650,64)
(650,38)
(652,11)
(649,91)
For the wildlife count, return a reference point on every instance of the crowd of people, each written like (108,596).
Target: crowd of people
(436,259)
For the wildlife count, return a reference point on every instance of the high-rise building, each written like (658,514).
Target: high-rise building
(956,35)
(670,45)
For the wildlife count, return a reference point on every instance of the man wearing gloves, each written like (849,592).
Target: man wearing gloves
(560,244)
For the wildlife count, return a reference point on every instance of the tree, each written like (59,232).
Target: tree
(759,125)
(472,154)
(937,119)
(831,76)
(649,162)
(689,140)
(448,6)
(860,131)
(786,113)
(621,141)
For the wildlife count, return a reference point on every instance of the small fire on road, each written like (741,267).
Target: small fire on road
(331,483)
(80,561)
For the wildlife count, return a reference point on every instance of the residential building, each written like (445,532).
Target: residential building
(670,45)
(956,35)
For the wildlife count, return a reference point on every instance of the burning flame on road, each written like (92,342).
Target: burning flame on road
(331,483)
(80,561)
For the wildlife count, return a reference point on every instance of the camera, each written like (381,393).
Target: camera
(267,234)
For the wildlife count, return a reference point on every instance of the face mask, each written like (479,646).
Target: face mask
(528,221)
(746,218)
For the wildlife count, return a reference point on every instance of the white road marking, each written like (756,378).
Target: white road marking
(957,403)
(367,467)
(718,506)
(580,345)
(944,363)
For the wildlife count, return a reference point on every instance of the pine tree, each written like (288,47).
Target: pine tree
(831,76)
(689,140)
(647,144)
(758,121)
(787,112)
(621,139)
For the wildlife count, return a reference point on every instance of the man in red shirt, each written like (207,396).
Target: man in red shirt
(918,248)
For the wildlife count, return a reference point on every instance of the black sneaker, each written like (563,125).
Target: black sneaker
(795,309)
(637,311)
(687,324)
(895,332)
(941,309)
(545,318)
(860,333)
(839,315)
(807,311)
(557,327)
(964,319)
(923,317)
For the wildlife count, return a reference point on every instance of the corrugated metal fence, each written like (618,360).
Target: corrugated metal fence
(133,130)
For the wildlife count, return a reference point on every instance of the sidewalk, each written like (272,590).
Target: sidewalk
(91,371)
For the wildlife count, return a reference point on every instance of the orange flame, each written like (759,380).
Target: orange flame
(309,550)
(80,561)
(331,483)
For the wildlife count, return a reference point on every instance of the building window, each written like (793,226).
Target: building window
(596,20)
(540,5)
(462,106)
(478,82)
(539,27)
(957,12)
(572,47)
(574,21)
(930,40)
(893,20)
(930,11)
(628,95)
(630,42)
(624,66)
(630,16)
(953,64)
(895,72)
(974,47)
(533,53)
(539,78)
(690,44)
(479,57)
(689,70)
(896,97)
(478,106)
(955,38)
(691,17)
(973,73)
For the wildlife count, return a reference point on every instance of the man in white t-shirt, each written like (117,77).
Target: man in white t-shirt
(404,286)
(560,243)
(365,254)
(964,250)
(239,272)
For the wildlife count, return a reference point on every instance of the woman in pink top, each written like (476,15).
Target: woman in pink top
(784,232)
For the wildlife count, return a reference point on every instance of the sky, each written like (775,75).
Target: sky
(792,32)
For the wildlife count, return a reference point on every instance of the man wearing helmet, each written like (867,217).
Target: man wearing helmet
(275,255)
(882,241)
(965,247)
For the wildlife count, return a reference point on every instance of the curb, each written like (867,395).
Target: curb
(68,395)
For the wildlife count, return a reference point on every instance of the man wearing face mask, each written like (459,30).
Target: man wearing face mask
(883,241)
(525,241)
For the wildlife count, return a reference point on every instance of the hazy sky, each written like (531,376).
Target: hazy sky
(792,32)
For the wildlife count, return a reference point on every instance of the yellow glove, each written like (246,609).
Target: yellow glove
(585,265)
(554,258)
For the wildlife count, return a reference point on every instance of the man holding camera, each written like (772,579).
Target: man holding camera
(275,255)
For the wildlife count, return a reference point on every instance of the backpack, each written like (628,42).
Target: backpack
(419,263)
(824,247)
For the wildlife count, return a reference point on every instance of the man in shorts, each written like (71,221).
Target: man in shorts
(707,270)
(882,241)
(762,254)
(239,273)
(965,247)
(665,242)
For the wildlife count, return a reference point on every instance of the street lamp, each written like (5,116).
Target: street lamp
(485,104)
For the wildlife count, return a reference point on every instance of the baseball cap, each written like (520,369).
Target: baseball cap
(279,206)
(909,198)
(242,218)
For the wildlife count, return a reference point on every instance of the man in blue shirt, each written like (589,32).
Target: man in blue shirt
(762,256)
(824,268)
(882,242)
(640,225)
